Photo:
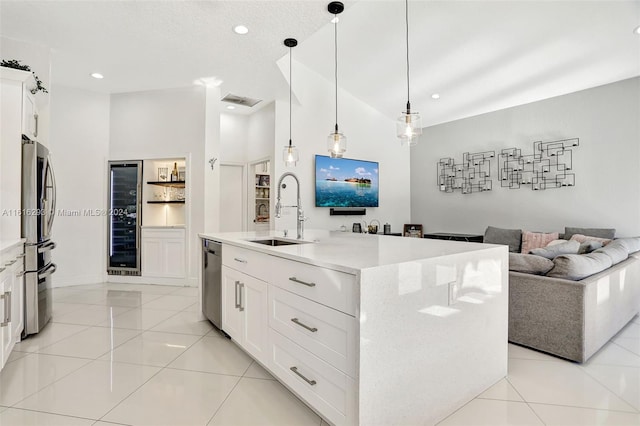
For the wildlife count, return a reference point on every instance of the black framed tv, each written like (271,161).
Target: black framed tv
(345,182)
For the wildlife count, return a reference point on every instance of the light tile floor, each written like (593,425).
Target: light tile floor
(138,355)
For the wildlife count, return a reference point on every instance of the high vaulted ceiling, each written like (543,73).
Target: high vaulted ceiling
(479,56)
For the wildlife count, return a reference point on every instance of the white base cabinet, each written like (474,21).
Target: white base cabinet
(163,252)
(11,299)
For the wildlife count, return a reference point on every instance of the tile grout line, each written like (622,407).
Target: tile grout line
(525,401)
(224,400)
(637,410)
(54,414)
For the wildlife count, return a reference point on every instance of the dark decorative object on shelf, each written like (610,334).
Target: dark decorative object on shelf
(548,167)
(412,230)
(15,64)
(470,238)
(473,174)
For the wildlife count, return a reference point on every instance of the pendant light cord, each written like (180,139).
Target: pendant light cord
(335,17)
(406,16)
(290,90)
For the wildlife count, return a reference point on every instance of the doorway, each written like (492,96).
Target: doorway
(259,190)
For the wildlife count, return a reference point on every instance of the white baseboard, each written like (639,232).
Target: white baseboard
(127,279)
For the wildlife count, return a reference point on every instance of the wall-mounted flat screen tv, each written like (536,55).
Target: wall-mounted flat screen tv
(343,182)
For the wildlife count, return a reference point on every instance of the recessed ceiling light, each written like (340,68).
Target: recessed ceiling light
(97,75)
(435,96)
(240,29)
(230,107)
(637,30)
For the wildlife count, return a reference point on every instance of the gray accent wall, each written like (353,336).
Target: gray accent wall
(606,164)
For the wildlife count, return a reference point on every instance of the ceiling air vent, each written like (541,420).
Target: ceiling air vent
(240,100)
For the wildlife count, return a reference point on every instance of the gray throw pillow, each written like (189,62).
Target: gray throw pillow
(578,266)
(616,250)
(632,244)
(550,252)
(589,246)
(507,237)
(529,263)
(608,233)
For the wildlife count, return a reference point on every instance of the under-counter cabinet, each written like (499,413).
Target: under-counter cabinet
(244,311)
(163,252)
(11,299)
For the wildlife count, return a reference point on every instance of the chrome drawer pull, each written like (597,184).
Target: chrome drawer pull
(11,263)
(21,255)
(295,280)
(240,307)
(7,309)
(297,321)
(2,269)
(295,370)
(236,294)
(237,259)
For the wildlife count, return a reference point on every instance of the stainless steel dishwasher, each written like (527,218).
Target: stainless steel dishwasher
(212,281)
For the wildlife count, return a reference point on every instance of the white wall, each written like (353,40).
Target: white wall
(606,164)
(167,124)
(370,136)
(79,148)
(234,138)
(262,133)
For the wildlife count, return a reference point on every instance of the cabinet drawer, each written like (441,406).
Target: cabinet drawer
(331,392)
(165,234)
(325,332)
(248,261)
(332,288)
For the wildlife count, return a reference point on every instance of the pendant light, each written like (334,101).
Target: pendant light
(336,141)
(409,124)
(290,154)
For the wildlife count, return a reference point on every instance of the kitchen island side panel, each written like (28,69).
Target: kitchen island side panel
(433,335)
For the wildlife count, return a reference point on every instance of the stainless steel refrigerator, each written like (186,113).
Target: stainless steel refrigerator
(123,251)
(38,213)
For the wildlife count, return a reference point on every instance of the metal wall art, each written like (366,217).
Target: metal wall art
(548,167)
(473,174)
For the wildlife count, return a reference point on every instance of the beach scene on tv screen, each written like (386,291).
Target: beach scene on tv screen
(343,182)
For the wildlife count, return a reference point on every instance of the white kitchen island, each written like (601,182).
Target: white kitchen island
(370,329)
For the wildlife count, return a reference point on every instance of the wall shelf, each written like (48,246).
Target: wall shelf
(172,184)
(166,202)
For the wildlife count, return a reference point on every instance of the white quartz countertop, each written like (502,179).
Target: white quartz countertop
(347,251)
(8,244)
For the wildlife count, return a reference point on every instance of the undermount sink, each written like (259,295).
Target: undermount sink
(277,242)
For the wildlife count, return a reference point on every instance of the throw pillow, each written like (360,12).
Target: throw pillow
(507,237)
(578,266)
(584,238)
(607,233)
(632,244)
(554,242)
(617,251)
(589,246)
(534,240)
(529,263)
(550,252)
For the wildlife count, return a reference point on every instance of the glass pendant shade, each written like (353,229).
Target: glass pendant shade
(336,144)
(290,156)
(409,127)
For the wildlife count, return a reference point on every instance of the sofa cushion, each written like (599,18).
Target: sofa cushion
(507,237)
(578,266)
(529,263)
(589,246)
(617,251)
(584,238)
(550,252)
(632,244)
(608,233)
(533,240)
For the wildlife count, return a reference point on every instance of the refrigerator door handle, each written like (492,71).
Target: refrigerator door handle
(49,246)
(48,271)
(50,182)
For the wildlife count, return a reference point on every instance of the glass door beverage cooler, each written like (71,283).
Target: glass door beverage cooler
(125,197)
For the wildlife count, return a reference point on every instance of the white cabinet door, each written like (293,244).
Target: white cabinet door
(6,336)
(253,298)
(17,298)
(152,257)
(29,115)
(244,311)
(173,258)
(232,317)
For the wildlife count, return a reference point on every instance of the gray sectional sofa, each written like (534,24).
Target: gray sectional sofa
(566,317)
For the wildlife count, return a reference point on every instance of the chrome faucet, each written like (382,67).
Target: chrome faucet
(300,214)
